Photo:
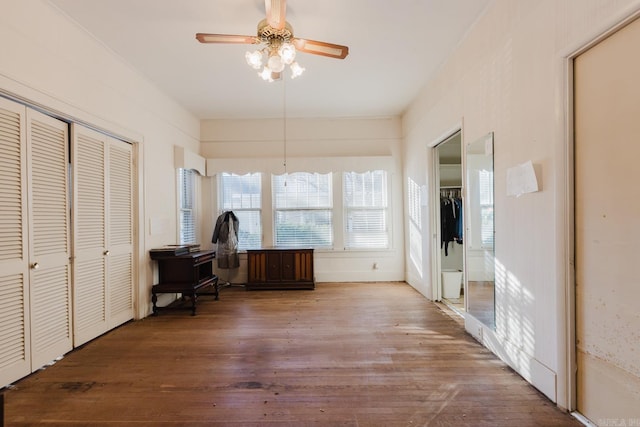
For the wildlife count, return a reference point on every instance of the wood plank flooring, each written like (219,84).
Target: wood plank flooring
(347,354)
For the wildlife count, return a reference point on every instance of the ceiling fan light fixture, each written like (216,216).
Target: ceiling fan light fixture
(296,70)
(254,59)
(287,52)
(275,63)
(277,44)
(266,74)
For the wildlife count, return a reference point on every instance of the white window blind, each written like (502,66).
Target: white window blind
(303,210)
(365,204)
(486,207)
(242,194)
(186,204)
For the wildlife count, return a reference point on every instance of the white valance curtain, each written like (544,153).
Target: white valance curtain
(300,164)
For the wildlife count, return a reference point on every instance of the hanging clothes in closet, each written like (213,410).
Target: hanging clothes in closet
(225,235)
(450,218)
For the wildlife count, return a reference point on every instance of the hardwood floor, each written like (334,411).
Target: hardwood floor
(349,354)
(482,301)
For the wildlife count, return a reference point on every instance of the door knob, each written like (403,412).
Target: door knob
(35,266)
(106,253)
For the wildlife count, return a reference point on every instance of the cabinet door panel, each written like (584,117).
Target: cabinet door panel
(274,270)
(257,263)
(304,266)
(288,266)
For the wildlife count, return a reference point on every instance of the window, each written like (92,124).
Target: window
(302,210)
(415,224)
(486,207)
(186,205)
(242,194)
(365,205)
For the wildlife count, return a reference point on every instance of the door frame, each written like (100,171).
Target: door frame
(434,192)
(567,388)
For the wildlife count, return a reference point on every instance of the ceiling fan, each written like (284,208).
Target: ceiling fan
(279,46)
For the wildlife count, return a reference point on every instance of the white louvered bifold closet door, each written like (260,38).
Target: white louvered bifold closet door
(49,242)
(15,356)
(88,153)
(103,233)
(120,232)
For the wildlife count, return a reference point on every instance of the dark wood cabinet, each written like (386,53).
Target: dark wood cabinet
(189,274)
(280,269)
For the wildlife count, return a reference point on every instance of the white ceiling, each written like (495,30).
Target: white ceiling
(394,47)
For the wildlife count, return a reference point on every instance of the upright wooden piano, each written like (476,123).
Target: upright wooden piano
(189,274)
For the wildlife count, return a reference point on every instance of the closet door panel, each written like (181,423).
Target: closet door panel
(120,232)
(15,357)
(89,213)
(103,233)
(49,243)
(607,213)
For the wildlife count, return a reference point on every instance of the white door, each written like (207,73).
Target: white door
(89,235)
(120,233)
(15,341)
(607,218)
(103,233)
(49,242)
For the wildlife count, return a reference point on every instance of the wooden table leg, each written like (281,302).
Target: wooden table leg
(154,300)
(194,297)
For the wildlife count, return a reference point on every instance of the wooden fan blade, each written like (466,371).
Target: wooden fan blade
(226,38)
(321,48)
(276,13)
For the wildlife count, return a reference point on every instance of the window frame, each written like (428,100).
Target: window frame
(268,166)
(329,208)
(187,189)
(238,210)
(383,208)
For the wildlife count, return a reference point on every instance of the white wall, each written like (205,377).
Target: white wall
(509,77)
(352,143)
(49,62)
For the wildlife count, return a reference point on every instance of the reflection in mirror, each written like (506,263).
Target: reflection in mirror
(479,238)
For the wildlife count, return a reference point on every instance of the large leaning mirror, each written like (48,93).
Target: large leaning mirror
(479,239)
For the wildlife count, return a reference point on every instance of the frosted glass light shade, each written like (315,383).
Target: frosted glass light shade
(266,74)
(287,52)
(275,63)
(296,70)
(254,59)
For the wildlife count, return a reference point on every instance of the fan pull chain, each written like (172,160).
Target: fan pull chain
(284,126)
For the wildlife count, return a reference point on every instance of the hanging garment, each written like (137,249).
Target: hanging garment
(459,222)
(225,235)
(447,223)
